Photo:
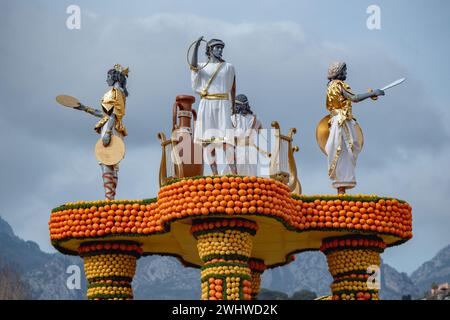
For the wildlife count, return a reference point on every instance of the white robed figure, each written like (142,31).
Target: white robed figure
(213,123)
(246,126)
(215,82)
(342,149)
(343,145)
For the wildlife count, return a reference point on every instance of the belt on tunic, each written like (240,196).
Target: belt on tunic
(343,114)
(214,96)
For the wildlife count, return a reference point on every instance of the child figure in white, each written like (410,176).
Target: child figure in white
(246,132)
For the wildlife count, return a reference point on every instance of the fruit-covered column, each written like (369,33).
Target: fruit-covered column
(110,268)
(257,268)
(225,246)
(354,262)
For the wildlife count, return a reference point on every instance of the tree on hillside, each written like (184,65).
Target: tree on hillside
(303,295)
(12,286)
(266,294)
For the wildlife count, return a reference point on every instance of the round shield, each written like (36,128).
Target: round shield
(111,154)
(323,131)
(67,101)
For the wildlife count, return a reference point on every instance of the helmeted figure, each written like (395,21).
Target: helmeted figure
(343,145)
(113,110)
(215,82)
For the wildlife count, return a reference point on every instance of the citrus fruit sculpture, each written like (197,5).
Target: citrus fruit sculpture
(233,228)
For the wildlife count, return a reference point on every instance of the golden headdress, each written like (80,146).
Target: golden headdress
(121,69)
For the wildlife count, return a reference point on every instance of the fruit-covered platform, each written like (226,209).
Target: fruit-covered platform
(233,228)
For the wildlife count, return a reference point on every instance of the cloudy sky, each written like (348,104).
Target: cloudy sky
(280,49)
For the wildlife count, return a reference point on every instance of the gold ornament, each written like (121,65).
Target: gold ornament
(121,69)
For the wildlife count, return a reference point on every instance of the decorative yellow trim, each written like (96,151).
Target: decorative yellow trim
(348,137)
(204,93)
(290,178)
(163,166)
(213,140)
(90,110)
(178,166)
(215,96)
(100,124)
(332,170)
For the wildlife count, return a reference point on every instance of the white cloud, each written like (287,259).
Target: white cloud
(199,25)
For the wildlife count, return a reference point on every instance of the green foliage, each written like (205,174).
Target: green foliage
(109,285)
(225,276)
(266,294)
(110,296)
(88,204)
(174,180)
(344,197)
(223,229)
(303,295)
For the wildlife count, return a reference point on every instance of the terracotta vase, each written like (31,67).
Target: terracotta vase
(190,154)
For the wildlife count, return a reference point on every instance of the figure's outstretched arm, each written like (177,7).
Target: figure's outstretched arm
(194,60)
(363,96)
(94,112)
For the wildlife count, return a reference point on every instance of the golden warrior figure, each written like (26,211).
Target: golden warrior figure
(339,135)
(111,149)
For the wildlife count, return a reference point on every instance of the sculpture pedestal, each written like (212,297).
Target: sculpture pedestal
(110,268)
(257,267)
(354,262)
(225,246)
(211,222)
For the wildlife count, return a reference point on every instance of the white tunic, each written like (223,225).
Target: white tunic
(343,146)
(246,134)
(213,123)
